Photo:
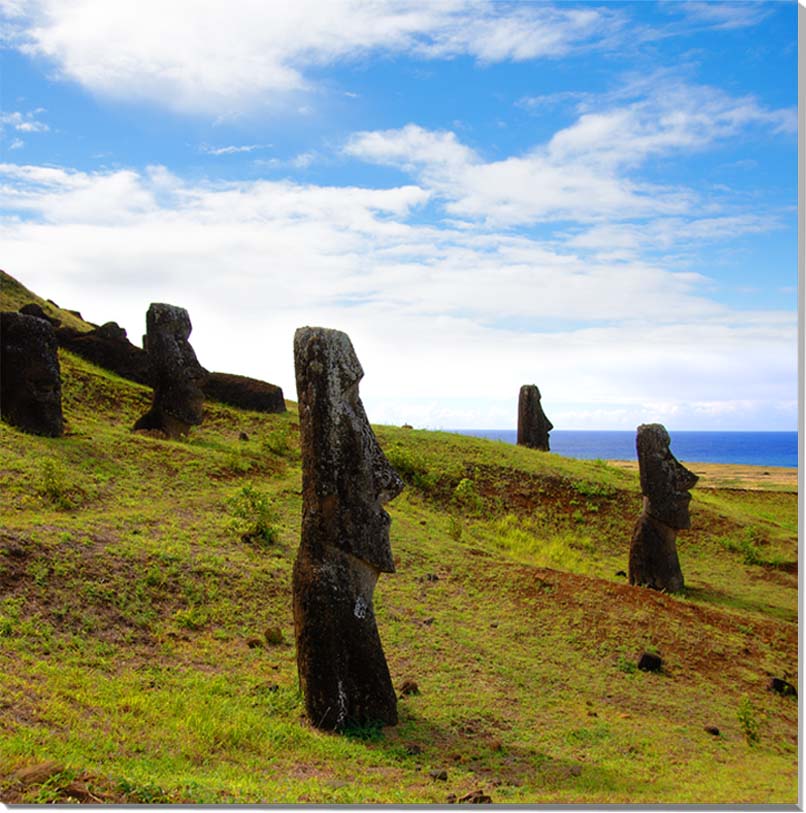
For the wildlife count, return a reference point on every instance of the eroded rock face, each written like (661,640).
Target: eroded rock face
(345,540)
(30,377)
(665,484)
(177,376)
(533,425)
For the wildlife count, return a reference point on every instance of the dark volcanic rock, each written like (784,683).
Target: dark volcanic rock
(177,376)
(665,484)
(345,540)
(30,377)
(533,425)
(32,309)
(244,393)
(782,686)
(108,347)
(650,662)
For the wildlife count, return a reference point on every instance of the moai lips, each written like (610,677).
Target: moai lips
(346,480)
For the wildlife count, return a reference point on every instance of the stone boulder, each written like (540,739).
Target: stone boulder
(533,425)
(244,392)
(345,540)
(108,347)
(30,377)
(665,484)
(177,376)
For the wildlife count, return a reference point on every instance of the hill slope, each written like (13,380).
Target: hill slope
(146,637)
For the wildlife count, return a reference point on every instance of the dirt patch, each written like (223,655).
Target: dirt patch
(726,475)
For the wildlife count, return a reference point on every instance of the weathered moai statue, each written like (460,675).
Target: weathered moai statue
(176,375)
(533,425)
(665,484)
(345,540)
(30,377)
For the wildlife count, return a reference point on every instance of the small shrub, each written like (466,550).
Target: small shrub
(629,667)
(747,547)
(281,442)
(455,528)
(193,618)
(465,494)
(411,466)
(748,721)
(54,488)
(588,488)
(253,514)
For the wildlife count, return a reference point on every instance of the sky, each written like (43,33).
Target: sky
(597,198)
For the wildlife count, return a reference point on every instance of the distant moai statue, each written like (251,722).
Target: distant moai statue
(533,425)
(665,484)
(345,540)
(176,375)
(30,376)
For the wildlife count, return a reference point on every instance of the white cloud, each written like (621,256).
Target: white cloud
(23,122)
(209,57)
(438,316)
(16,144)
(232,149)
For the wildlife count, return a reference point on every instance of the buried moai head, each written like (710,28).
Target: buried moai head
(176,374)
(346,477)
(30,377)
(665,482)
(533,425)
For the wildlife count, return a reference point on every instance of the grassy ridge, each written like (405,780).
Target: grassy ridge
(146,633)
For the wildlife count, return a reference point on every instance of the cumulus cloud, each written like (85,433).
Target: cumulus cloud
(23,122)
(209,57)
(438,315)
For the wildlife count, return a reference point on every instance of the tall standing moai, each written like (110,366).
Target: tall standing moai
(533,425)
(30,376)
(665,484)
(176,375)
(345,540)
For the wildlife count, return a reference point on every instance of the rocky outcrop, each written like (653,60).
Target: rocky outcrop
(665,484)
(108,347)
(177,376)
(244,392)
(533,425)
(30,377)
(345,540)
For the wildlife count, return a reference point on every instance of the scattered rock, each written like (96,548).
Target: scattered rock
(665,484)
(475,797)
(650,662)
(407,426)
(345,540)
(254,643)
(439,775)
(274,636)
(243,436)
(782,687)
(30,376)
(620,573)
(533,425)
(412,749)
(408,687)
(32,309)
(712,729)
(575,770)
(39,773)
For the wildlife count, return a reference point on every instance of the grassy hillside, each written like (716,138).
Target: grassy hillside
(146,636)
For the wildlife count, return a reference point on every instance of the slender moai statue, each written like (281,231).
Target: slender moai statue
(665,484)
(533,425)
(30,376)
(177,376)
(345,540)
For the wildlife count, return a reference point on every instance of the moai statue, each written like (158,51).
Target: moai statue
(345,540)
(665,484)
(177,376)
(30,377)
(533,425)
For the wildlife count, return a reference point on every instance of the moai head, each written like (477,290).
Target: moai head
(346,477)
(665,482)
(178,376)
(30,377)
(533,425)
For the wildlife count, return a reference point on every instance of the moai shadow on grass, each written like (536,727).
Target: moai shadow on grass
(665,484)
(345,540)
(533,425)
(30,376)
(175,372)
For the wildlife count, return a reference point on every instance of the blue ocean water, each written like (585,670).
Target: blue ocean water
(747,448)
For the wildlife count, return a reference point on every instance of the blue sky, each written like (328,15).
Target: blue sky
(599,198)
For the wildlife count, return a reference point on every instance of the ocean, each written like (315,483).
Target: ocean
(747,448)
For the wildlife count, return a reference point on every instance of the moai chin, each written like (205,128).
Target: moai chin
(665,484)
(30,376)
(345,540)
(533,425)
(177,376)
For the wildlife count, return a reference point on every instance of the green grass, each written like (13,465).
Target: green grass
(135,601)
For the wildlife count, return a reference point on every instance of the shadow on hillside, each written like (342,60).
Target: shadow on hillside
(495,762)
(721,598)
